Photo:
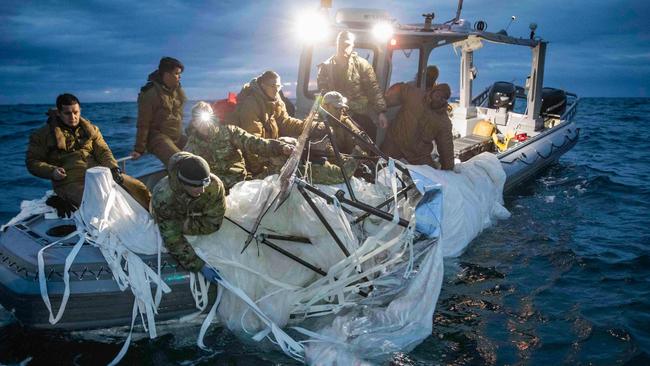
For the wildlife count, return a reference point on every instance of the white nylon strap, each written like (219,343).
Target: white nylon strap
(66,276)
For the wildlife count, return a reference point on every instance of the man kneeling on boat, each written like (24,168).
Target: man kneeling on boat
(223,146)
(421,120)
(65,148)
(188,201)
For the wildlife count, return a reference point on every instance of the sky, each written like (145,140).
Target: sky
(102,51)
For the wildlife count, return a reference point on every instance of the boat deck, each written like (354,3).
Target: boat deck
(467,147)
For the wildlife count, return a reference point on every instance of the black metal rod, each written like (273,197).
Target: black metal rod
(360,205)
(323,221)
(373,211)
(295,258)
(282,251)
(298,239)
(402,192)
(339,159)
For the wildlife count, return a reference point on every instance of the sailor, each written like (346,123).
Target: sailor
(421,119)
(335,107)
(160,112)
(354,77)
(188,201)
(261,112)
(431,76)
(65,148)
(222,145)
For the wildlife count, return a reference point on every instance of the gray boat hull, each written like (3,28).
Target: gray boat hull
(527,159)
(95,301)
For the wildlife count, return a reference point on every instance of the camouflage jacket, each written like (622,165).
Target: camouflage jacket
(344,140)
(417,125)
(178,214)
(357,82)
(263,117)
(222,147)
(160,111)
(73,149)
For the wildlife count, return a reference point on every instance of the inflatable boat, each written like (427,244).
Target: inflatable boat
(528,128)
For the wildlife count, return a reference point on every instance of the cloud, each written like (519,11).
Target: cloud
(97,46)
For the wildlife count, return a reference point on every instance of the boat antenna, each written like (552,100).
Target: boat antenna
(505,31)
(457,17)
(512,19)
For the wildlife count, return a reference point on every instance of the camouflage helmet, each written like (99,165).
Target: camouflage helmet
(335,99)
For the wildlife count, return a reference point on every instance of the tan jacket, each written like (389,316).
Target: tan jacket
(263,117)
(160,111)
(416,126)
(74,149)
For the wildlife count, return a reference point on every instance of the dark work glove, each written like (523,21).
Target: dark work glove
(210,273)
(64,208)
(319,130)
(117,175)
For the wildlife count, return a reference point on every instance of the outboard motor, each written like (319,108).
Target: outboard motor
(502,94)
(553,101)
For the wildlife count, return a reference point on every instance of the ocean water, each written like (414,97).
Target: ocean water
(565,280)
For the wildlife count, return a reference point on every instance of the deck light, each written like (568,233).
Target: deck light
(382,31)
(312,27)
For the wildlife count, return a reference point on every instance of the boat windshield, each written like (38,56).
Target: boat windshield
(320,54)
(404,65)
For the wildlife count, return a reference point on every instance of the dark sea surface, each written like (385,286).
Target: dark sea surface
(565,280)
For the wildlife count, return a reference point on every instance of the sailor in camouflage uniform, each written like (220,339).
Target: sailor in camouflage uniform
(222,145)
(354,77)
(189,201)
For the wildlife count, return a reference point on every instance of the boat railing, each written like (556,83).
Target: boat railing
(481,98)
(571,110)
(121,162)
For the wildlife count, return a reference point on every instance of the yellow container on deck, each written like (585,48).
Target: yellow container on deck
(483,128)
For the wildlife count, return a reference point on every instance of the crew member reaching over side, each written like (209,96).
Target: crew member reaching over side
(222,145)
(188,201)
(421,119)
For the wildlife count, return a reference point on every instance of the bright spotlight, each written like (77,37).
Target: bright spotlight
(312,27)
(382,31)
(205,116)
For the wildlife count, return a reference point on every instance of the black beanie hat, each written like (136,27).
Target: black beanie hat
(168,64)
(194,171)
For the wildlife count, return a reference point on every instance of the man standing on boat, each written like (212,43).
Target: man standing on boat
(188,201)
(354,77)
(65,148)
(160,112)
(222,145)
(421,119)
(261,112)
